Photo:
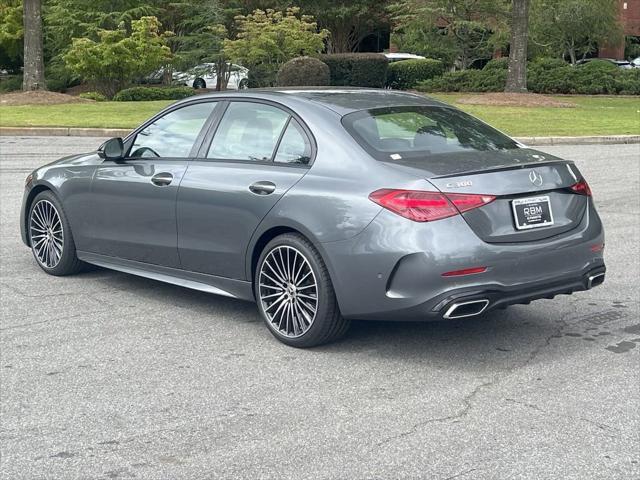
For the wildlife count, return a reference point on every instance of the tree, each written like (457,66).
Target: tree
(267,39)
(573,28)
(11,34)
(349,21)
(470,29)
(117,58)
(33,76)
(517,76)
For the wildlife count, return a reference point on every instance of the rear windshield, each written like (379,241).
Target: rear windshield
(409,133)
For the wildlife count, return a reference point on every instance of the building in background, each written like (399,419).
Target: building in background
(629,15)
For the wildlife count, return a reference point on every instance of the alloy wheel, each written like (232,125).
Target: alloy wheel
(47,235)
(288,291)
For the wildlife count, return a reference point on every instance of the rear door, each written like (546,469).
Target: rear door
(258,151)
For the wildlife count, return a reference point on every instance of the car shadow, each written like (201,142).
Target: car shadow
(490,338)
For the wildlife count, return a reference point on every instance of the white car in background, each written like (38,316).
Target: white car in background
(204,76)
(398,57)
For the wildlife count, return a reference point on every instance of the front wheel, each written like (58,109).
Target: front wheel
(199,83)
(295,295)
(50,236)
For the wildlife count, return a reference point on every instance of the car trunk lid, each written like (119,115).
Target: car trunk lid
(519,179)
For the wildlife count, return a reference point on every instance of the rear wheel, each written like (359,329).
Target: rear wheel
(199,83)
(50,236)
(295,295)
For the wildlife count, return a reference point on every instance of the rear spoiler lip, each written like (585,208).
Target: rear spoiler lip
(505,168)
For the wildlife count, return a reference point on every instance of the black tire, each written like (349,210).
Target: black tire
(199,83)
(68,262)
(328,324)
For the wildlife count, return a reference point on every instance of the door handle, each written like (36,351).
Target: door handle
(262,188)
(162,179)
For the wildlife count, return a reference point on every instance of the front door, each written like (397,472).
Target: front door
(258,152)
(134,200)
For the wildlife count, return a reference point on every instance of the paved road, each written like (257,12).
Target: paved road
(106,375)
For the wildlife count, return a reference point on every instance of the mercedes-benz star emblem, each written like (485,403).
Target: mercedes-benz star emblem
(535,178)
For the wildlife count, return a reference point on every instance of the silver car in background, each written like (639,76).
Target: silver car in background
(204,76)
(323,205)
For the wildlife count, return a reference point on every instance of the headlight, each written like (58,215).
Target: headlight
(28,180)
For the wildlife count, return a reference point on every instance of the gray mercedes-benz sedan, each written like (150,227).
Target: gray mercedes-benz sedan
(323,206)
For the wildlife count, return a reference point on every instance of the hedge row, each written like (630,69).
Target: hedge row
(137,94)
(407,74)
(356,69)
(543,76)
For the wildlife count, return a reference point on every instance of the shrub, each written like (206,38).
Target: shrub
(490,80)
(262,75)
(10,83)
(597,77)
(407,73)
(497,64)
(551,75)
(97,96)
(303,71)
(137,94)
(356,69)
(629,82)
(545,75)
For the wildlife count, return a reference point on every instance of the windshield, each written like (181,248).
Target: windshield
(408,133)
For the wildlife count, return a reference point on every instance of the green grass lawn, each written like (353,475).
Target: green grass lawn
(594,115)
(98,114)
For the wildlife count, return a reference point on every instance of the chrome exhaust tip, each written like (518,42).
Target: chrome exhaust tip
(466,309)
(595,280)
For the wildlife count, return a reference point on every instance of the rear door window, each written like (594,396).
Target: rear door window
(294,147)
(248,131)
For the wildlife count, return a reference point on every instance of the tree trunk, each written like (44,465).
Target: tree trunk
(33,56)
(517,76)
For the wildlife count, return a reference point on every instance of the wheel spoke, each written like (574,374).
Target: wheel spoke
(277,266)
(279,300)
(277,275)
(270,278)
(308,307)
(307,296)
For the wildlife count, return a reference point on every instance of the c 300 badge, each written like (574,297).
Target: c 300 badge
(463,183)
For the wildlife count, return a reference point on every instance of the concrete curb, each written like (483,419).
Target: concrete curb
(121,132)
(589,140)
(63,132)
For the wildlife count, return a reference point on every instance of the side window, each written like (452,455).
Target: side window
(173,134)
(248,131)
(294,146)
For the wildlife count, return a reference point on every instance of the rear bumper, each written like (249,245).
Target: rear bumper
(393,269)
(444,306)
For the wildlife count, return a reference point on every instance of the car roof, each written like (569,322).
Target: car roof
(341,100)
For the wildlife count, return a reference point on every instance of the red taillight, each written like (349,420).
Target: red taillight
(581,188)
(466,271)
(464,202)
(421,206)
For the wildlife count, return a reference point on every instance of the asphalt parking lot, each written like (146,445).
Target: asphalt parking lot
(106,375)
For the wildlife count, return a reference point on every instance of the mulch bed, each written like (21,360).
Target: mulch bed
(515,100)
(39,98)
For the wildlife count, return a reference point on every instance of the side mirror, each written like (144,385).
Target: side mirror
(112,149)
